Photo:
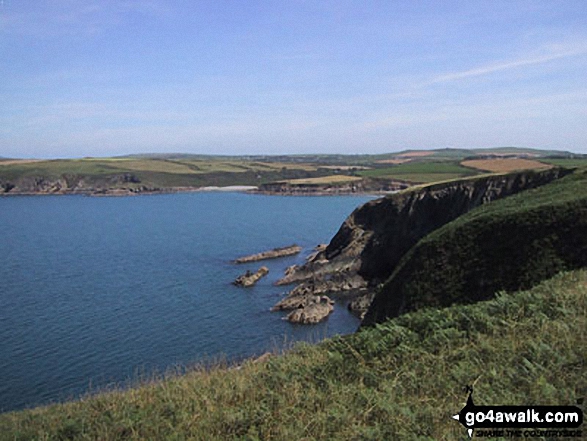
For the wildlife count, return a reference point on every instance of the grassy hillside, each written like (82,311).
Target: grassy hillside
(400,380)
(150,172)
(566,162)
(508,244)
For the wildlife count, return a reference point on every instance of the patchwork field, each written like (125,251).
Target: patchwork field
(173,172)
(504,165)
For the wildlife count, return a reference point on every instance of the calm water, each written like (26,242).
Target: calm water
(96,292)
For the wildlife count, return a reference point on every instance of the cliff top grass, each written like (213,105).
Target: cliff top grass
(403,379)
(92,166)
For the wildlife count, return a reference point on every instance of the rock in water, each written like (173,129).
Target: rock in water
(271,254)
(249,279)
(313,312)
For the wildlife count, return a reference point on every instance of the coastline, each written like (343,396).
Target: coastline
(209,189)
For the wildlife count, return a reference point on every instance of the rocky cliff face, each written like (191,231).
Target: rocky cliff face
(120,183)
(509,245)
(373,239)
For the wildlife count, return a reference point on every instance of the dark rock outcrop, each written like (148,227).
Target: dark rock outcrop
(114,184)
(361,304)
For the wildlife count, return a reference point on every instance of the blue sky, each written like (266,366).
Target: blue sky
(98,78)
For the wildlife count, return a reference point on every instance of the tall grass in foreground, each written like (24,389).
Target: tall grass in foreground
(399,380)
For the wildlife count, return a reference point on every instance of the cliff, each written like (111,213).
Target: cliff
(121,183)
(508,245)
(374,238)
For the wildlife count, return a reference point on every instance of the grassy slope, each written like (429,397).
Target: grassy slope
(159,173)
(509,244)
(566,162)
(400,380)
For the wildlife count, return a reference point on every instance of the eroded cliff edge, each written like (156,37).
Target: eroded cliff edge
(374,238)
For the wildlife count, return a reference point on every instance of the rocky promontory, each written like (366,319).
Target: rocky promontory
(506,246)
(374,238)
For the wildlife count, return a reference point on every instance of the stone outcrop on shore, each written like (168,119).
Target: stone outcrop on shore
(316,310)
(271,254)
(365,185)
(250,279)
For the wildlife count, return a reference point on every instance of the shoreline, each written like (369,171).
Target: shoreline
(173,190)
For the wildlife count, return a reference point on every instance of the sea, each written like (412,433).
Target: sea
(99,293)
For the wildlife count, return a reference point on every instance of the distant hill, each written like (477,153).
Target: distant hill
(359,159)
(164,172)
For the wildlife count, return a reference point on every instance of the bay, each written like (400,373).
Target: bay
(99,292)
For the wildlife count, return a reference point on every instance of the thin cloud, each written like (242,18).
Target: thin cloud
(67,17)
(504,66)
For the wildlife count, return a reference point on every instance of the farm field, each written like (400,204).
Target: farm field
(504,165)
(421,172)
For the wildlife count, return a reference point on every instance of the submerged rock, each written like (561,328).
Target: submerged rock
(271,254)
(318,308)
(249,279)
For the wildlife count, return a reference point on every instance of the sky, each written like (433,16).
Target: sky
(102,78)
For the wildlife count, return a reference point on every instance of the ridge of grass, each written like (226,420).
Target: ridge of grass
(403,379)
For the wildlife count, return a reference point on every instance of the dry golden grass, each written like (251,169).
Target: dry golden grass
(392,161)
(19,161)
(504,165)
(415,154)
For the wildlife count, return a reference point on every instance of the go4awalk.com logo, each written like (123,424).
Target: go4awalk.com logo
(520,421)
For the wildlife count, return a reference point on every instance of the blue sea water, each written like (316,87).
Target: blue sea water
(97,292)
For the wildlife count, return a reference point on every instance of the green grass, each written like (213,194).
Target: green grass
(509,244)
(421,172)
(58,167)
(562,162)
(400,380)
